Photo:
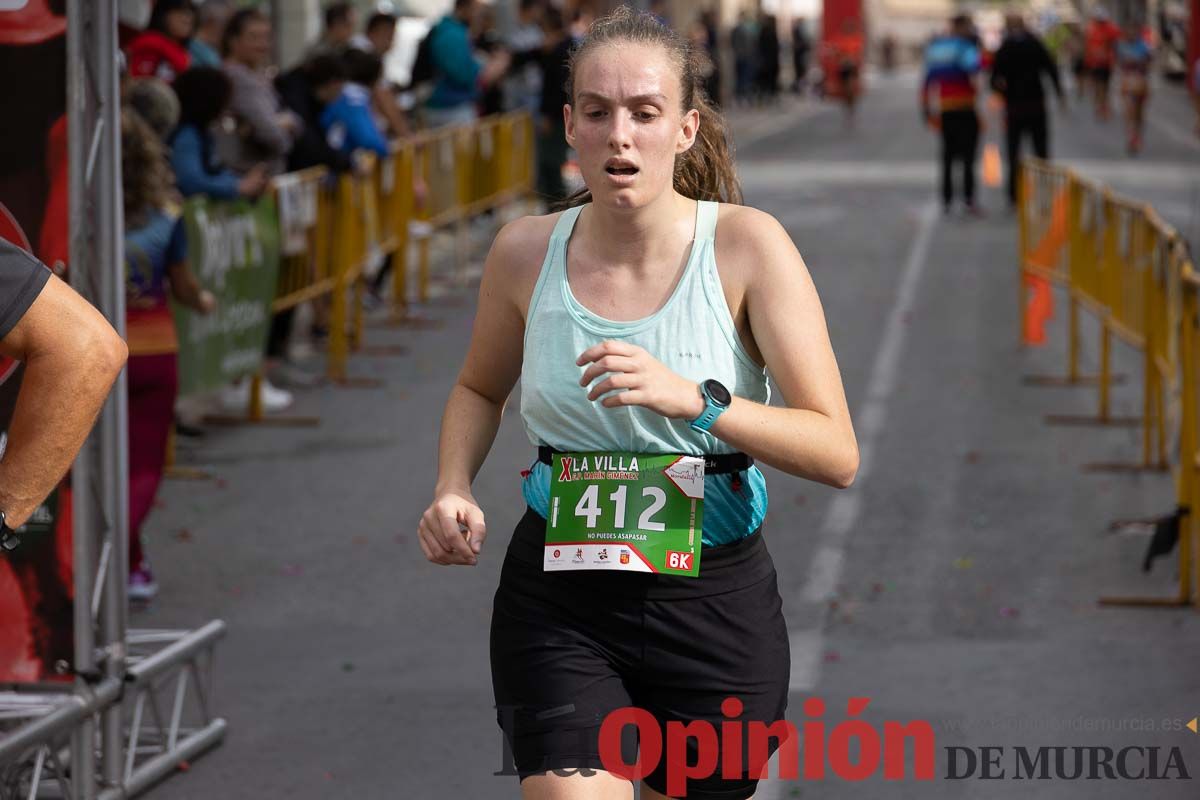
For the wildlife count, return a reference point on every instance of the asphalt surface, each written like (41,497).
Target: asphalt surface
(956,582)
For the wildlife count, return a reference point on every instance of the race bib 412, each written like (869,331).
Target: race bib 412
(625,511)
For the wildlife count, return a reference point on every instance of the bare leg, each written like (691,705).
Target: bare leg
(574,785)
(650,794)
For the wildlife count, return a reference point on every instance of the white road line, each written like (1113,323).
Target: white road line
(1174,132)
(808,644)
(776,123)
(845,507)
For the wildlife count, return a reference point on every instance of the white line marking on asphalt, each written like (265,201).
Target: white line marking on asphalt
(777,123)
(808,644)
(1174,132)
(845,507)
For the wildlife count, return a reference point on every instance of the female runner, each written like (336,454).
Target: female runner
(632,319)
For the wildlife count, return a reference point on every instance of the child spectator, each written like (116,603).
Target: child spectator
(348,122)
(203,98)
(308,90)
(161,51)
(155,262)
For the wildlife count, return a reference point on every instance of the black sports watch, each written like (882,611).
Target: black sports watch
(8,537)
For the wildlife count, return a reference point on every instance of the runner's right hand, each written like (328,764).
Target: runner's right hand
(452,529)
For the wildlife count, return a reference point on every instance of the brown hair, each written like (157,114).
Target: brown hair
(145,176)
(706,170)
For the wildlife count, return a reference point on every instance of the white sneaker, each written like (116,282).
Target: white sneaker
(236,397)
(274,398)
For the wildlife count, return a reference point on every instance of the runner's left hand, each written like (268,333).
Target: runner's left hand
(642,380)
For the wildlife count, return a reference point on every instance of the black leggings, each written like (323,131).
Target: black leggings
(1020,125)
(960,142)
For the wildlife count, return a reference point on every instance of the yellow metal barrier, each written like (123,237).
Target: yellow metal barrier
(1117,259)
(368,216)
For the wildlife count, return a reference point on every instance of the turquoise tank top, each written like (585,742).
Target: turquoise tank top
(693,334)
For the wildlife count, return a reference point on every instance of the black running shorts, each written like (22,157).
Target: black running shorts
(568,648)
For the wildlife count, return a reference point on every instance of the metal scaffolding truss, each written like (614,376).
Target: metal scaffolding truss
(106,734)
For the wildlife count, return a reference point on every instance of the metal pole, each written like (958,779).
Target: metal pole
(100,476)
(110,251)
(79,115)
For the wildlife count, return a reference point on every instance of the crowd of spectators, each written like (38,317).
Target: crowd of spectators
(206,112)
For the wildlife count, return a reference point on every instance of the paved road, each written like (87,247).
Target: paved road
(955,582)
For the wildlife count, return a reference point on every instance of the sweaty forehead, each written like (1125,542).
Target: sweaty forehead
(626,70)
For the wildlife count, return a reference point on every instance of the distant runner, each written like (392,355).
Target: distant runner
(951,66)
(1099,54)
(1133,62)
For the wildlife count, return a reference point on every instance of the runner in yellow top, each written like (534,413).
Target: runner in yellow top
(641,322)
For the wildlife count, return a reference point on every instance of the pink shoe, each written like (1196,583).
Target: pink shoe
(142,585)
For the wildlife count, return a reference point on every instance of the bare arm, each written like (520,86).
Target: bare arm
(187,290)
(386,104)
(72,356)
(812,437)
(476,405)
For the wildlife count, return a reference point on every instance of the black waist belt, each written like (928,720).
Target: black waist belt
(718,464)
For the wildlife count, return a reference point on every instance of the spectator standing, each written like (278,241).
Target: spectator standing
(1020,65)
(204,97)
(768,59)
(523,85)
(161,51)
(552,135)
(379,38)
(712,48)
(341,24)
(486,41)
(155,262)
(205,46)
(265,130)
(744,41)
(801,51)
(307,90)
(951,67)
(706,68)
(347,121)
(204,94)
(460,77)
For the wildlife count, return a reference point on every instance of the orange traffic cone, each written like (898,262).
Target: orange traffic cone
(992,169)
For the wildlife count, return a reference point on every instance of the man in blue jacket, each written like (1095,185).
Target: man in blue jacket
(459,77)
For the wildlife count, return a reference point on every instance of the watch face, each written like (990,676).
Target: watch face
(717,391)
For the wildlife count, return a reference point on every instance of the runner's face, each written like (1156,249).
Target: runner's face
(626,123)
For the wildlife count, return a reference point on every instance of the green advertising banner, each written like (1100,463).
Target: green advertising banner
(625,511)
(233,248)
